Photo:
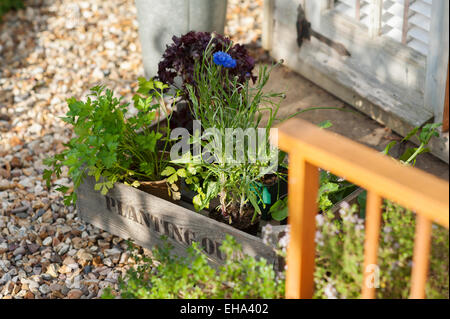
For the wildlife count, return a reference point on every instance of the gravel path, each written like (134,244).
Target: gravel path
(52,50)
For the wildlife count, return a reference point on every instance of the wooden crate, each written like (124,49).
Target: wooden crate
(130,213)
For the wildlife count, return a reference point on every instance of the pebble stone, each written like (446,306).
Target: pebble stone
(50,51)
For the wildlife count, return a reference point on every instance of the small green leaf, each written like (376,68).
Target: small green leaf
(280,215)
(362,199)
(325,124)
(62,189)
(407,154)
(136,184)
(191,169)
(97,175)
(169,170)
(104,190)
(388,147)
(197,200)
(411,134)
(172,179)
(181,172)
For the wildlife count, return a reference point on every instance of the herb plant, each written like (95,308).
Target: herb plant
(409,156)
(224,103)
(340,254)
(168,276)
(279,210)
(112,147)
(423,135)
(177,66)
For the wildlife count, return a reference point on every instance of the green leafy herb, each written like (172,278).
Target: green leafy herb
(111,146)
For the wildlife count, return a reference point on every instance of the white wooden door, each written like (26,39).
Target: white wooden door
(399,54)
(420,27)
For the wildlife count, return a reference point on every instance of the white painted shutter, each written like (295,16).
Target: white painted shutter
(349,8)
(346,7)
(365,12)
(418,23)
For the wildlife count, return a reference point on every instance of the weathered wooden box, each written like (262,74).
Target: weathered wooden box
(130,213)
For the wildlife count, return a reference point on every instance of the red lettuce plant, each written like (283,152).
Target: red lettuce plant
(179,58)
(179,61)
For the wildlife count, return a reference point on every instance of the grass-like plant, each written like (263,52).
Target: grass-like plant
(225,104)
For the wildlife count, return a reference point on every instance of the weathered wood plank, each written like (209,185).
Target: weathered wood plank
(267,27)
(445,116)
(375,18)
(437,60)
(130,213)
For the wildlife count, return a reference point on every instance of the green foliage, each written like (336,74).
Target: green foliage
(325,124)
(225,104)
(7,5)
(109,146)
(279,210)
(340,255)
(169,276)
(332,190)
(409,156)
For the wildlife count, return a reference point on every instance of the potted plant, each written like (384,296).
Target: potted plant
(237,154)
(114,150)
(124,180)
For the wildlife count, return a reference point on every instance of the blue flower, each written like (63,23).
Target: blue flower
(231,63)
(224,59)
(221,57)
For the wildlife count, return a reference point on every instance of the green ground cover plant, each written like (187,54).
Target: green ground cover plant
(165,275)
(340,255)
(338,272)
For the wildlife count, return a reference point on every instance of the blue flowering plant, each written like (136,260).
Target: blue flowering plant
(220,102)
(180,57)
(224,59)
(177,66)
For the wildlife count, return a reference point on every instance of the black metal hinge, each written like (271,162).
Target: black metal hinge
(305,32)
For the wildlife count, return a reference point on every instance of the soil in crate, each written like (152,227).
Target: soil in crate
(243,222)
